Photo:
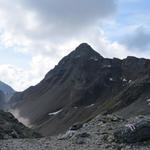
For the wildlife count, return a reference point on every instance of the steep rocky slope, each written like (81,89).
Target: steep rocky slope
(11,128)
(83,85)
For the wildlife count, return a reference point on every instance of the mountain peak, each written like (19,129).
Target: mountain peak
(7,91)
(6,88)
(84,46)
(85,49)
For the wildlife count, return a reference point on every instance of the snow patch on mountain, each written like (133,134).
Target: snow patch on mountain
(55,113)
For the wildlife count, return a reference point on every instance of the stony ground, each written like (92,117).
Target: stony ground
(95,135)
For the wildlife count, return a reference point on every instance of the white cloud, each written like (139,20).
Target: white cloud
(47,30)
(30,25)
(20,78)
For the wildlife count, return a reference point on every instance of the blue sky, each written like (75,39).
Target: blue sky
(129,13)
(11,56)
(35,35)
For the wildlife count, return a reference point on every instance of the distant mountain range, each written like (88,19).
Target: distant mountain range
(82,85)
(6,92)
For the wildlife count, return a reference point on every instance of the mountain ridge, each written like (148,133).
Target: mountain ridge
(82,85)
(7,92)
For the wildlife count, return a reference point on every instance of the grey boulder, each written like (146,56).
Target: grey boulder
(138,131)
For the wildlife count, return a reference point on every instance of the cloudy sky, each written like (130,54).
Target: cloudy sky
(36,34)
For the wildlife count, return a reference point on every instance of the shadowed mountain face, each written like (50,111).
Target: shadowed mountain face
(83,85)
(6,89)
(6,92)
(2,99)
(11,128)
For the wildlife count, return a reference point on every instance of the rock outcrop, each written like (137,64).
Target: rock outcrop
(138,131)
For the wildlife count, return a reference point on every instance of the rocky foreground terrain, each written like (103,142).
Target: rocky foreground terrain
(97,134)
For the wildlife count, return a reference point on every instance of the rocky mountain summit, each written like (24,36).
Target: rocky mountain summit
(83,85)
